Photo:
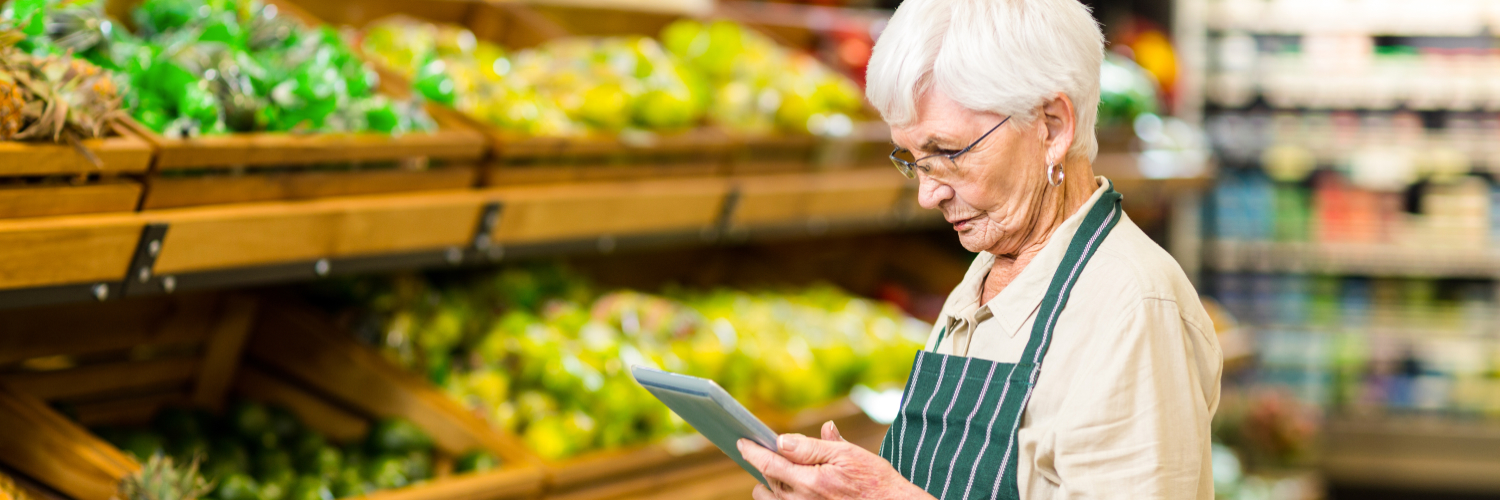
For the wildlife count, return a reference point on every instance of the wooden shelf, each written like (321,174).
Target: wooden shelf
(230,245)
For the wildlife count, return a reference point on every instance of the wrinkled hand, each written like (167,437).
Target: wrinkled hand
(830,468)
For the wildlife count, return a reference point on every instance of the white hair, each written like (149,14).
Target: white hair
(1001,56)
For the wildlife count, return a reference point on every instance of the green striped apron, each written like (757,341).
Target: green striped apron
(956,434)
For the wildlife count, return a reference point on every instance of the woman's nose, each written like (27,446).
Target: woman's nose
(930,193)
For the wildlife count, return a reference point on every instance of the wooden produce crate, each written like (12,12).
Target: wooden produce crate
(119,363)
(237,168)
(310,348)
(517,159)
(45,179)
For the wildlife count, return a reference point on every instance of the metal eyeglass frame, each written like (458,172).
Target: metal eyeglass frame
(909,168)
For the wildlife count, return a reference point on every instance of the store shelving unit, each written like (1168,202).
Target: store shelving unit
(1414,453)
(1378,96)
(1365,259)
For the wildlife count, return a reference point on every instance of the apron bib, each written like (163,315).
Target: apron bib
(956,434)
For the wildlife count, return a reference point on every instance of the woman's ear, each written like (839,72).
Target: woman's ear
(1057,115)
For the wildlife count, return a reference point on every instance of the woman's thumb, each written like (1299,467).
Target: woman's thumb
(831,432)
(801,450)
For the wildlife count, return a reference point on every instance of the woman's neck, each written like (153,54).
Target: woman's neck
(1058,203)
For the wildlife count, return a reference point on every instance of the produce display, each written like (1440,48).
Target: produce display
(541,353)
(219,66)
(760,86)
(52,97)
(571,86)
(255,452)
(566,87)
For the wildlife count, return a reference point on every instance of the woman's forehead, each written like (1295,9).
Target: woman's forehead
(941,121)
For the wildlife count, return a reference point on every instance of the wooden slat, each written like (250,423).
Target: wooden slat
(726,485)
(134,410)
(646,483)
(504,175)
(790,198)
(858,193)
(122,153)
(223,189)
(65,250)
(338,424)
(221,355)
(102,379)
(47,201)
(77,329)
(616,208)
(504,484)
(452,141)
(703,140)
(311,351)
(246,235)
(596,468)
(46,446)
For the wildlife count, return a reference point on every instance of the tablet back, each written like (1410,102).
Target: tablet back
(710,410)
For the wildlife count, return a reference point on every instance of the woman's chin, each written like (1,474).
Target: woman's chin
(974,240)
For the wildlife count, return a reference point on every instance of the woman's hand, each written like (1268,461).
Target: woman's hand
(830,468)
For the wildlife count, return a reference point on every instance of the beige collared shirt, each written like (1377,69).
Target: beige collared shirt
(1129,386)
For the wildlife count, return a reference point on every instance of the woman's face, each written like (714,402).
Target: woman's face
(993,195)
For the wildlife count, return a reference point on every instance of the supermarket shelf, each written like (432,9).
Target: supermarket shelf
(1428,454)
(1351,258)
(103,257)
(1372,17)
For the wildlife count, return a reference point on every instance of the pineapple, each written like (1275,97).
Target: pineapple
(58,98)
(9,490)
(12,103)
(160,479)
(80,28)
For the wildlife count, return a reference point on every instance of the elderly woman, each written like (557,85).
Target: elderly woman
(1074,360)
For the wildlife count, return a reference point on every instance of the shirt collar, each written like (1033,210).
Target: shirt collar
(1021,298)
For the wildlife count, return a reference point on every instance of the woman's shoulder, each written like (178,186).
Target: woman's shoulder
(1134,267)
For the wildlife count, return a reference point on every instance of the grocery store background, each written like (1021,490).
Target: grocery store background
(444,312)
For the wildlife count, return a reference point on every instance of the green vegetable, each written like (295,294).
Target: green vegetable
(387,471)
(250,420)
(475,461)
(237,487)
(397,436)
(309,488)
(349,484)
(326,462)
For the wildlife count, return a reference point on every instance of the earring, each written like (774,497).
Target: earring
(1054,174)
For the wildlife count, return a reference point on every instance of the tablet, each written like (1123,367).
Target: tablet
(710,410)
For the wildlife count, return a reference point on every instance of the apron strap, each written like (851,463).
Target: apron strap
(941,333)
(1100,220)
(1097,224)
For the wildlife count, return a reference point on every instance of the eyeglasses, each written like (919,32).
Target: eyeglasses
(909,167)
